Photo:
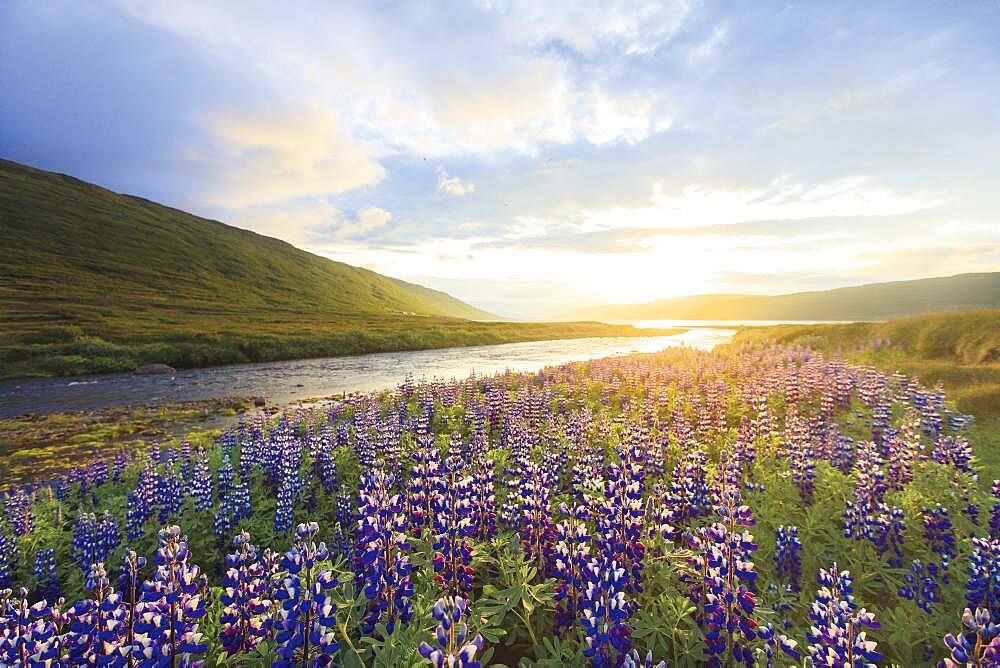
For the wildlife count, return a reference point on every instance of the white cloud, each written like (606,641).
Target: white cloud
(270,157)
(453,185)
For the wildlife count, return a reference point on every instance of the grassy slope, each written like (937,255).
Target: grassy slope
(876,301)
(94,281)
(959,350)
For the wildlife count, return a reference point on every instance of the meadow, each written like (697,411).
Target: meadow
(761,504)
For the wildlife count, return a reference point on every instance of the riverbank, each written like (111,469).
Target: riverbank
(38,447)
(59,350)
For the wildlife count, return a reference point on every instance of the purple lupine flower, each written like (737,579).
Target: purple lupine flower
(534,497)
(130,590)
(690,495)
(46,580)
(572,554)
(775,642)
(8,551)
(381,566)
(166,624)
(452,527)
(940,536)
(99,629)
(983,587)
(224,478)
(28,636)
(723,562)
(977,645)
(424,484)
(170,495)
(921,586)
(633,660)
(454,649)
(954,451)
(837,636)
(201,483)
(604,612)
(305,622)
(19,515)
(283,512)
(621,516)
(246,597)
(788,556)
(484,500)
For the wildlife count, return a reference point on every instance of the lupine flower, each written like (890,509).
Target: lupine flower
(170,495)
(484,500)
(633,660)
(381,566)
(8,550)
(983,587)
(995,513)
(19,515)
(283,511)
(954,452)
(452,527)
(940,536)
(620,517)
(572,554)
(28,636)
(534,498)
(93,541)
(99,629)
(425,481)
(45,575)
(305,622)
(837,636)
(201,483)
(788,556)
(166,624)
(723,561)
(775,642)
(246,592)
(454,649)
(604,613)
(978,644)
(921,586)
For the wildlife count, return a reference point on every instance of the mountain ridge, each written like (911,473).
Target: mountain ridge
(870,301)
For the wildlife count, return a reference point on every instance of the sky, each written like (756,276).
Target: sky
(533,157)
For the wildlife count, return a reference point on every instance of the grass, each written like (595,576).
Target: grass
(92,281)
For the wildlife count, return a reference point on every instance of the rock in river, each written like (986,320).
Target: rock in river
(147,369)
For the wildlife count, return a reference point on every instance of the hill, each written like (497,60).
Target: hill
(874,301)
(91,281)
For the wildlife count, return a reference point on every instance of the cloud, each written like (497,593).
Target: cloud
(270,157)
(452,185)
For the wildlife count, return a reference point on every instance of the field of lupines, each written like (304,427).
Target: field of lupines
(755,505)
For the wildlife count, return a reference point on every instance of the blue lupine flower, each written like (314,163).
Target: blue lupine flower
(837,636)
(983,587)
(166,624)
(978,644)
(28,636)
(201,483)
(604,613)
(18,508)
(8,551)
(788,556)
(454,649)
(45,575)
(246,597)
(921,586)
(305,622)
(381,565)
(452,527)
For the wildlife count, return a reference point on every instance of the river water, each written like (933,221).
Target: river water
(287,382)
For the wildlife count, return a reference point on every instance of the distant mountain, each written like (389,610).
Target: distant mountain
(874,301)
(79,246)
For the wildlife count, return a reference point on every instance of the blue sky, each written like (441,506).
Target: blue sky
(533,157)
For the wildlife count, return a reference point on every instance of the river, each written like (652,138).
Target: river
(287,382)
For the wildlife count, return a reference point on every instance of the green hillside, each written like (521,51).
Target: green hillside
(93,281)
(960,350)
(874,301)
